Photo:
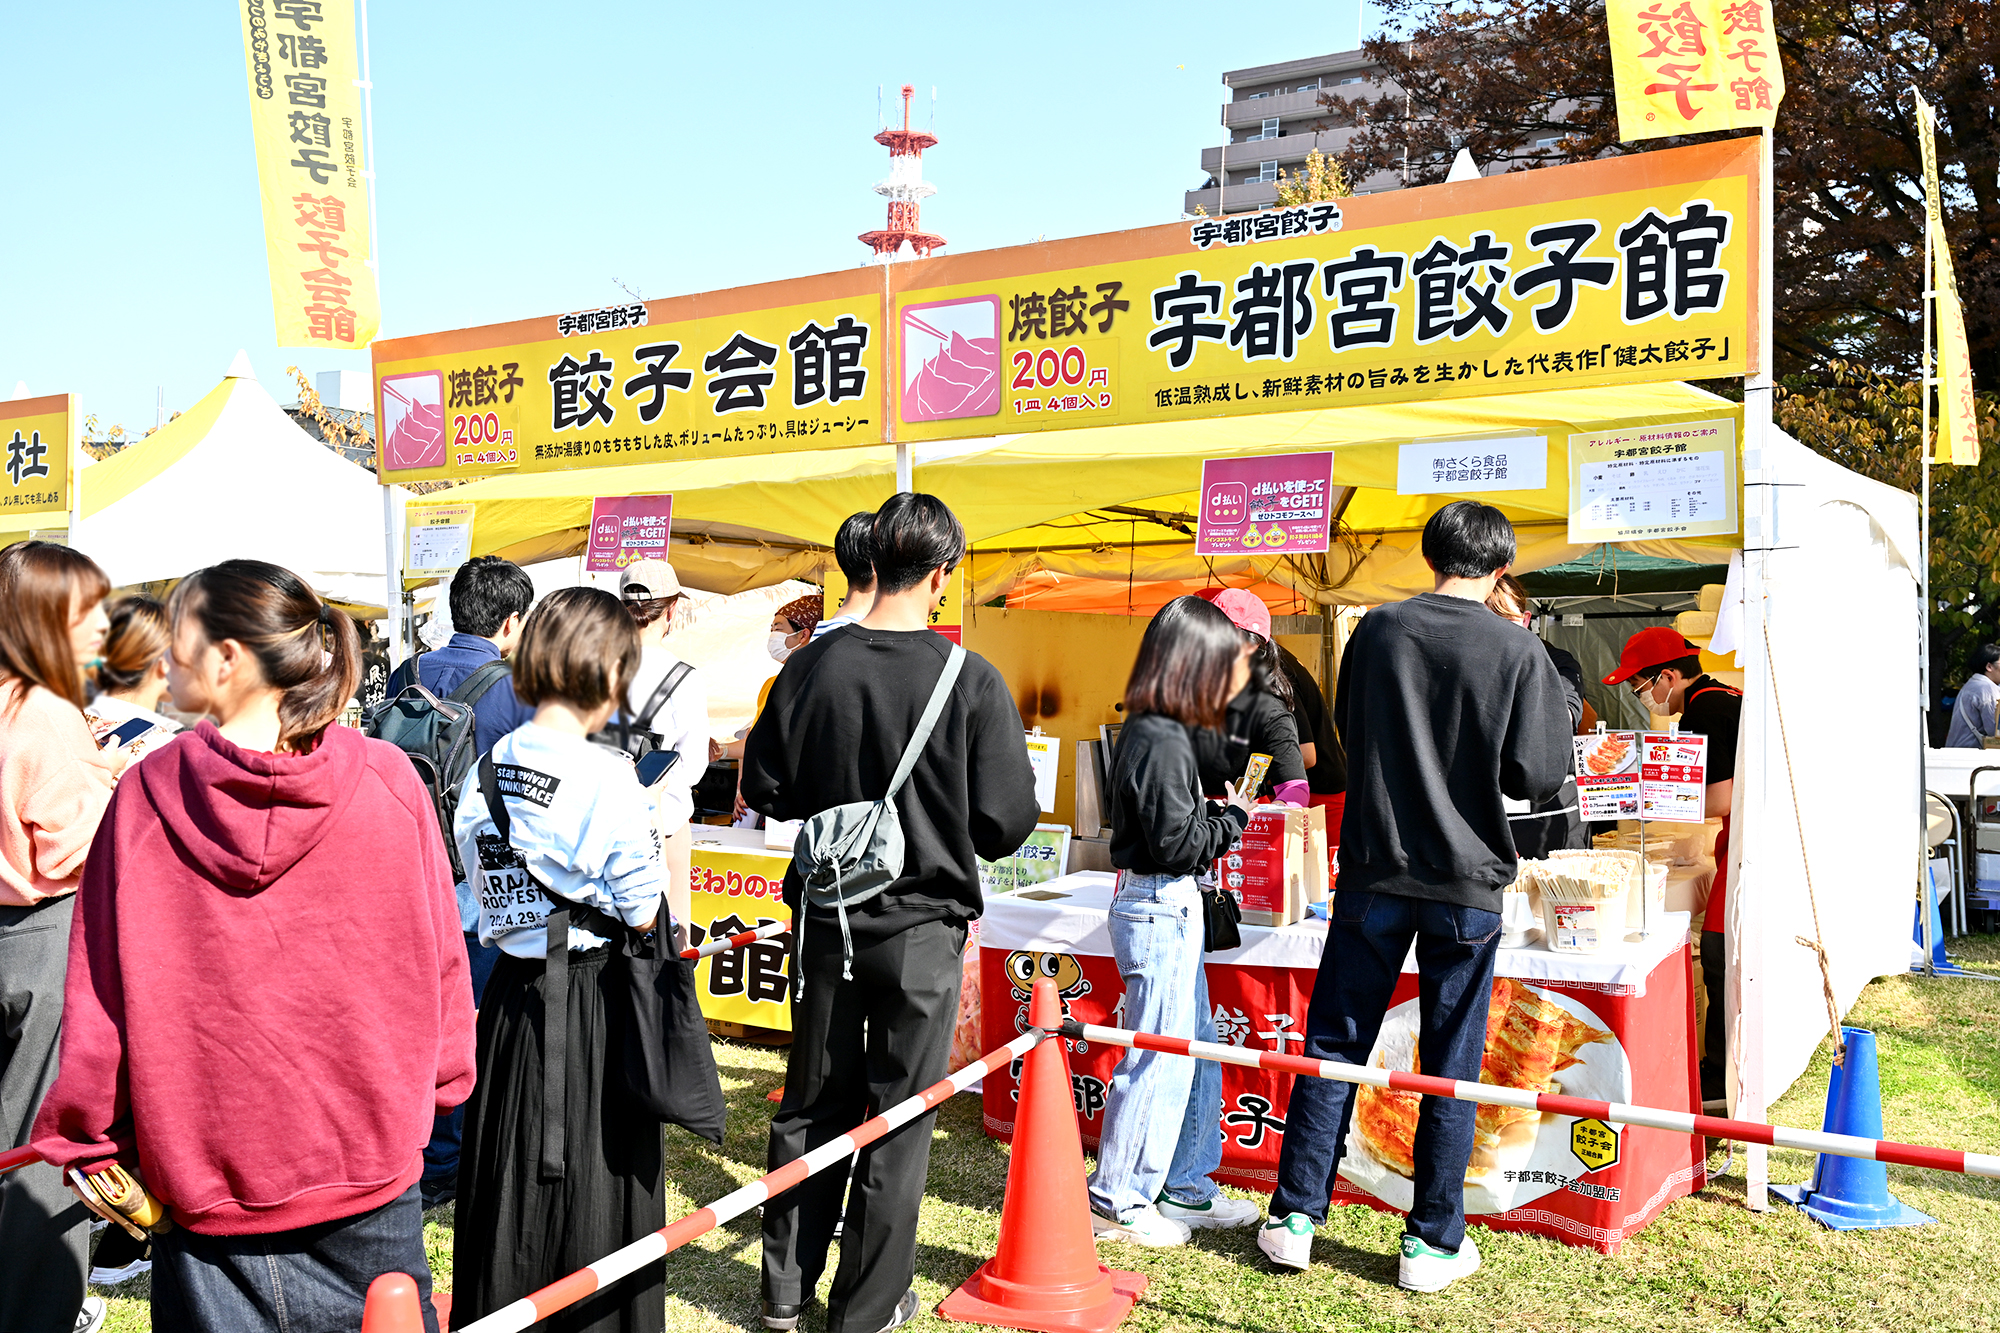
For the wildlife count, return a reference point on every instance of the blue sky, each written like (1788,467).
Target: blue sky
(532,156)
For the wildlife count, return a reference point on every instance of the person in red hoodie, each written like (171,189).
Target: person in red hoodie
(267,999)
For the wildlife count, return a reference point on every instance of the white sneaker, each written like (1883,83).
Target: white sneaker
(91,1317)
(1144,1227)
(1218,1213)
(1287,1241)
(1425,1269)
(111,1277)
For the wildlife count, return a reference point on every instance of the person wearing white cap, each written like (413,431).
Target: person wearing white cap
(669,699)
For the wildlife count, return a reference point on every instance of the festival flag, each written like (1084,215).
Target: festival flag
(1958,433)
(1693,66)
(305,115)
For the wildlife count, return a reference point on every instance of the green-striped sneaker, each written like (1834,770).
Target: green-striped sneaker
(1425,1269)
(1287,1241)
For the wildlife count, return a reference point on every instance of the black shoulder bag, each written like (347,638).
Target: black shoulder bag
(664,1060)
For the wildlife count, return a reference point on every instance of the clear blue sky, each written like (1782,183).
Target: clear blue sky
(531,154)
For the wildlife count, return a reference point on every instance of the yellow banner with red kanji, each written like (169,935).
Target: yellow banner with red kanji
(305,116)
(1958,426)
(1690,66)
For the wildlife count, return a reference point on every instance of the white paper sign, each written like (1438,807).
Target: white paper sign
(1043,756)
(440,539)
(1453,467)
(1649,482)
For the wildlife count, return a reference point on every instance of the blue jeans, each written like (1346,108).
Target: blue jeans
(448,1130)
(1163,1117)
(312,1280)
(1368,938)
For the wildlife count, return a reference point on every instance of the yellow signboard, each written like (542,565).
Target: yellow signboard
(305,117)
(754,371)
(1690,66)
(39,435)
(1631,270)
(1653,483)
(735,891)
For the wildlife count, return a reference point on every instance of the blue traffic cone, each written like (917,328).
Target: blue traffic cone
(1847,1193)
(1940,965)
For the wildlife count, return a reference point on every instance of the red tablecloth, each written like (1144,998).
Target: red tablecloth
(1625,1021)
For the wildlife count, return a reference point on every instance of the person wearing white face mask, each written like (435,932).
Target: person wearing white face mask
(791,629)
(1665,674)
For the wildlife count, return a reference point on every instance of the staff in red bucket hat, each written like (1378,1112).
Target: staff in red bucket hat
(1664,673)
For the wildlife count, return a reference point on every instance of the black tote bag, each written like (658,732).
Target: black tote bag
(664,1060)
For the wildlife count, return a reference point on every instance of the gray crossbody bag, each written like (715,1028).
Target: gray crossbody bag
(850,853)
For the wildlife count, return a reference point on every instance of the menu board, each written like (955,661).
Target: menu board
(1673,776)
(1274,504)
(1649,482)
(440,539)
(1607,774)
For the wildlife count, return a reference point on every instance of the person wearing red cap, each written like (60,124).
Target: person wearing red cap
(1261,718)
(1664,672)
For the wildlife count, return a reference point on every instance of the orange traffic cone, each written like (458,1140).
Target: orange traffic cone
(1046,1276)
(392,1306)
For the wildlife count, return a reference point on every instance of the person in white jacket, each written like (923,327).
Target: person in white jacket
(678,721)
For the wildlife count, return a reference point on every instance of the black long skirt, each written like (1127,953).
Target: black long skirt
(516,1232)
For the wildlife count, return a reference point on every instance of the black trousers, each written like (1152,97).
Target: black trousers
(859,1047)
(1714,1038)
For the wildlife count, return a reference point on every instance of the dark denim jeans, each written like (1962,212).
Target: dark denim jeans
(1367,940)
(448,1130)
(312,1280)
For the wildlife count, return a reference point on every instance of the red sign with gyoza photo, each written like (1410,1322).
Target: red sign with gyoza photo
(1673,776)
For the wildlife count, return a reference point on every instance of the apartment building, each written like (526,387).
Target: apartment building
(1272,119)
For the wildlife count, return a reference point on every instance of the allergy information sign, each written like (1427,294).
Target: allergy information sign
(1653,482)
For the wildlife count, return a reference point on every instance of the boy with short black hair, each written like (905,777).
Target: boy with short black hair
(1444,708)
(854,551)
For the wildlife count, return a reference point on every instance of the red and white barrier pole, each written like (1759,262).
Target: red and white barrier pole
(1680,1122)
(532,1309)
(728,942)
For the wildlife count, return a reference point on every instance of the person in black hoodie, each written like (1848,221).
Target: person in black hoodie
(1445,709)
(839,716)
(1162,1132)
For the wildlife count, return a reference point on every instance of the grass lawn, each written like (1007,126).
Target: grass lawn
(1706,1263)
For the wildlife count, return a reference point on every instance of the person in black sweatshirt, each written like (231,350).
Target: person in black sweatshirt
(1445,710)
(832,732)
(1162,1132)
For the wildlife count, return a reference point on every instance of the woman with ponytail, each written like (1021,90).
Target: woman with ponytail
(132,679)
(268,999)
(53,787)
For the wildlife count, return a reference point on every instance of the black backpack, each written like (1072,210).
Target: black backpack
(437,735)
(635,735)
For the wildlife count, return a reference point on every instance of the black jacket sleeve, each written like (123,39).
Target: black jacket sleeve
(1165,826)
(1000,781)
(1535,756)
(769,773)
(1274,730)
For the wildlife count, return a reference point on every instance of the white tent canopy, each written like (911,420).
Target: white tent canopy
(233,476)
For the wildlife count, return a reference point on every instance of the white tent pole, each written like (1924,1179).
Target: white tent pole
(392,571)
(1925,896)
(1746,1009)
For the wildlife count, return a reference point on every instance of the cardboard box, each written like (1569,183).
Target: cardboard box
(1279,866)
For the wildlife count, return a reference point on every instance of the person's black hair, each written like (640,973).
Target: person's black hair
(912,535)
(1468,540)
(854,549)
(485,591)
(1689,667)
(1267,672)
(1986,656)
(1186,661)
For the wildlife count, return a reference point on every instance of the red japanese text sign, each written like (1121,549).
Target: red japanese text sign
(624,528)
(1275,504)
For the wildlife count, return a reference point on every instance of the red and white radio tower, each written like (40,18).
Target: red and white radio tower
(903,238)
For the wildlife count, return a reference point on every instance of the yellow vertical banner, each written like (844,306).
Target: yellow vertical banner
(1690,66)
(1958,426)
(38,438)
(305,117)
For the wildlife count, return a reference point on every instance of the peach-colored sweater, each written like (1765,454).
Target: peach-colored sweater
(54,785)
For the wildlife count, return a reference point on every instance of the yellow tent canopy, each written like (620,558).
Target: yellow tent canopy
(1037,502)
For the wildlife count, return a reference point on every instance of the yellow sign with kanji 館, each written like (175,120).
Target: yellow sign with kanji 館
(305,119)
(735,890)
(1635,269)
(1690,66)
(39,435)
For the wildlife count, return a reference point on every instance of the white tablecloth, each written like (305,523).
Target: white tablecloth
(1076,923)
(1949,772)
